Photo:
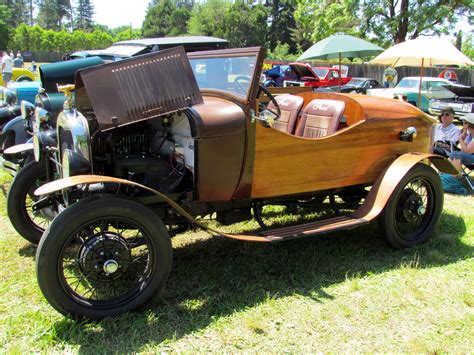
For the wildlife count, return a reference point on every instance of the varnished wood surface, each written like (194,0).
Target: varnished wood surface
(285,164)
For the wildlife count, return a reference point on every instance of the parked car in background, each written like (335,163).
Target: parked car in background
(275,76)
(315,76)
(462,103)
(20,74)
(431,88)
(354,86)
(134,47)
(135,173)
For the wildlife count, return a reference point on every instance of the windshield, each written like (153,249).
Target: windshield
(232,74)
(123,50)
(321,72)
(356,82)
(410,83)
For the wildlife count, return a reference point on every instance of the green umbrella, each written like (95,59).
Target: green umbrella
(340,46)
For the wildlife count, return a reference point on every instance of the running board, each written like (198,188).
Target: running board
(314,228)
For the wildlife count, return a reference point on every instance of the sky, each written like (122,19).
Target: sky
(115,13)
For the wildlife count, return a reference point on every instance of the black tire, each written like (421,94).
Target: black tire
(93,233)
(24,78)
(30,225)
(414,208)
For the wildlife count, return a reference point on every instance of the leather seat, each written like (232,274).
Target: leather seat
(290,107)
(320,118)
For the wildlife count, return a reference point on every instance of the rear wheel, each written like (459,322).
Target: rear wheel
(414,209)
(103,256)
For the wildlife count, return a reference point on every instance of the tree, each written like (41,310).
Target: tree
(52,13)
(127,34)
(468,46)
(18,11)
(322,18)
(5,16)
(246,25)
(157,21)
(84,13)
(208,19)
(393,21)
(282,23)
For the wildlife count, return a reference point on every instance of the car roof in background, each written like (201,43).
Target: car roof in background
(425,78)
(171,40)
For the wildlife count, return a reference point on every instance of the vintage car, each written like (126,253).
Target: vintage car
(315,76)
(354,86)
(154,144)
(275,76)
(134,47)
(462,103)
(20,74)
(431,88)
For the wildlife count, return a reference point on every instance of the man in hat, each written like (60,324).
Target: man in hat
(446,133)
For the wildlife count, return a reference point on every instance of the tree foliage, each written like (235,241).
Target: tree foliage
(83,16)
(52,13)
(282,24)
(394,21)
(208,19)
(166,18)
(5,16)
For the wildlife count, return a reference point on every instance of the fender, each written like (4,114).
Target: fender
(387,182)
(60,184)
(19,148)
(17,127)
(374,203)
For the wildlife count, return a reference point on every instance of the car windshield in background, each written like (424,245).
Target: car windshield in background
(321,72)
(123,50)
(409,83)
(356,82)
(232,74)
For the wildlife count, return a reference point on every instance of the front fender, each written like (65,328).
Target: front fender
(17,127)
(386,183)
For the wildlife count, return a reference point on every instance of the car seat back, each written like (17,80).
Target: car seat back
(320,118)
(290,107)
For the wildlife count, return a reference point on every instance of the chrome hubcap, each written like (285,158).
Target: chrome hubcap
(111,266)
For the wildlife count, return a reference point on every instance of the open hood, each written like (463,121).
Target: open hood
(303,70)
(138,88)
(461,90)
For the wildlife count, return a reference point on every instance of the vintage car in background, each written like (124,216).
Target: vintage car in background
(275,76)
(154,143)
(431,88)
(315,76)
(16,127)
(354,86)
(20,74)
(462,103)
(130,48)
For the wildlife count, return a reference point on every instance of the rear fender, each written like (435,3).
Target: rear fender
(386,183)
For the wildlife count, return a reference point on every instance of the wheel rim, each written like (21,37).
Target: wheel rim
(106,263)
(415,207)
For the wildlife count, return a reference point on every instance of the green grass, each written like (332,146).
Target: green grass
(345,291)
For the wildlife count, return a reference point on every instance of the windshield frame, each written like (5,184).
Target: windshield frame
(257,52)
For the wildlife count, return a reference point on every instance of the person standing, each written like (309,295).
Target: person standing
(18,61)
(7,68)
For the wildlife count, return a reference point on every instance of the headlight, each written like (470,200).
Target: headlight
(27,109)
(41,115)
(467,107)
(73,164)
(36,146)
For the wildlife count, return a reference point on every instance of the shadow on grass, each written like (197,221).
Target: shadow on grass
(218,277)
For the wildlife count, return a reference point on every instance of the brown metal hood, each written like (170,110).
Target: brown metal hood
(138,88)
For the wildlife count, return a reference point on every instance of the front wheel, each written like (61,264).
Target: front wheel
(28,223)
(103,256)
(414,209)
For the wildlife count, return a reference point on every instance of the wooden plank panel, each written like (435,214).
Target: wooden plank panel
(285,164)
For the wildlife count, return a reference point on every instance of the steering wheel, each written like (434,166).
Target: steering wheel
(242,84)
(262,106)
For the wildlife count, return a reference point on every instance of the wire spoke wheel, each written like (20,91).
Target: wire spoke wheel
(414,208)
(102,256)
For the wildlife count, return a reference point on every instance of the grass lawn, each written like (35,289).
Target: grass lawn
(343,292)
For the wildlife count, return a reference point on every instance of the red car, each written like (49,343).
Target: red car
(315,76)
